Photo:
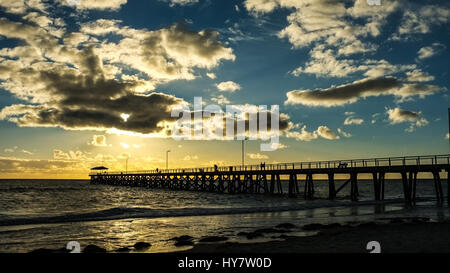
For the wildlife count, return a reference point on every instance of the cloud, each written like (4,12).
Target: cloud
(398,115)
(353,121)
(94,4)
(220,99)
(82,87)
(375,118)
(304,135)
(351,93)
(99,141)
(224,125)
(124,145)
(163,55)
(181,2)
(27,152)
(333,22)
(24,167)
(278,145)
(10,150)
(24,6)
(418,75)
(228,86)
(101,27)
(324,63)
(189,157)
(417,20)
(21,6)
(211,75)
(339,32)
(71,155)
(326,133)
(257,156)
(429,51)
(344,134)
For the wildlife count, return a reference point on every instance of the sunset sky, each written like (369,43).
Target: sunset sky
(85,83)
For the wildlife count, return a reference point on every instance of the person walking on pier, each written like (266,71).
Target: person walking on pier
(263,165)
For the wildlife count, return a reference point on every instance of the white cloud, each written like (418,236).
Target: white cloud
(353,121)
(166,54)
(324,63)
(326,133)
(220,99)
(228,86)
(211,75)
(344,134)
(421,20)
(418,75)
(331,22)
(27,152)
(430,51)
(257,156)
(71,155)
(21,6)
(397,115)
(375,118)
(94,4)
(276,146)
(305,135)
(181,2)
(10,150)
(124,145)
(190,157)
(99,141)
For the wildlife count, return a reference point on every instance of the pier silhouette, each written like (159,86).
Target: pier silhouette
(265,178)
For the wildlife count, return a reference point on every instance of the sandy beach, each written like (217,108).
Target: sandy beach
(400,235)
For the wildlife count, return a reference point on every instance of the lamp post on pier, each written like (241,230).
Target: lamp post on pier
(167,159)
(243,151)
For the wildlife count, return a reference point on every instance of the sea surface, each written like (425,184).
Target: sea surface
(49,213)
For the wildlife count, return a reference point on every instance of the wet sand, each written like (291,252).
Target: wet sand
(395,236)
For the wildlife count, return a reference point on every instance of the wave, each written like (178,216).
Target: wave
(135,213)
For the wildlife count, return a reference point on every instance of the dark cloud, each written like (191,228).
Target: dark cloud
(83,87)
(13,165)
(350,93)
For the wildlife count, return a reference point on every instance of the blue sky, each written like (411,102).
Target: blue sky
(353,80)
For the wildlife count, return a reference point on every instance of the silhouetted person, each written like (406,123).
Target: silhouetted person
(215,167)
(343,165)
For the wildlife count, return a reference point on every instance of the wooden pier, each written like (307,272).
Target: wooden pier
(265,178)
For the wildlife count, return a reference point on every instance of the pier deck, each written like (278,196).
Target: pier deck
(265,178)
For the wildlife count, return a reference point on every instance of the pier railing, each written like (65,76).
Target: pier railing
(350,163)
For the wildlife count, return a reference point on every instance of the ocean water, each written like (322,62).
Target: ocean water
(49,213)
